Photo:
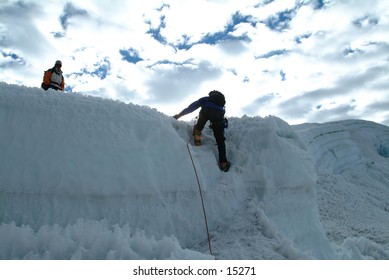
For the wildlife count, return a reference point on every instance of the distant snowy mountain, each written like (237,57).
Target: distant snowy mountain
(89,178)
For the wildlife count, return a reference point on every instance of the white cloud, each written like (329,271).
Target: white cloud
(286,54)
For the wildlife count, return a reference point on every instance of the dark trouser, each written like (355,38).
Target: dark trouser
(46,87)
(216,117)
(53,87)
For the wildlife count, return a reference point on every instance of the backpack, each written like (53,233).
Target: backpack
(217,97)
(46,79)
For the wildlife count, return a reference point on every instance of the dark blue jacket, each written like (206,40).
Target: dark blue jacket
(202,102)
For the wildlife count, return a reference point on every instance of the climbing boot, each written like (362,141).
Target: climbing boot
(225,166)
(197,137)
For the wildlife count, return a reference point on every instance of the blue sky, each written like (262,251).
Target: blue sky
(300,60)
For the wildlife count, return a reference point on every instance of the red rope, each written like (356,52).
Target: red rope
(201,196)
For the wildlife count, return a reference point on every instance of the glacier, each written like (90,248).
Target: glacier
(82,177)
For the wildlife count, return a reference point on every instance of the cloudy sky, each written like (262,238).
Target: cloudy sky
(300,60)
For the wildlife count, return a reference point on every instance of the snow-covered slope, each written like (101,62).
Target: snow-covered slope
(352,160)
(89,178)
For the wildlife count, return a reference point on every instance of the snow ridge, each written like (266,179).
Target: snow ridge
(88,178)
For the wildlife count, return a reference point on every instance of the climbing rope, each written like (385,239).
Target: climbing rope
(201,196)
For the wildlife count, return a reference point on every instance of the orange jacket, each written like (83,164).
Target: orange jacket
(56,82)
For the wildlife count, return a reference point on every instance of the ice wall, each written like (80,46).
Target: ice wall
(69,159)
(66,157)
